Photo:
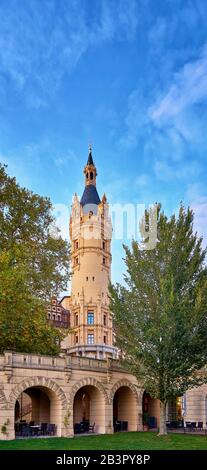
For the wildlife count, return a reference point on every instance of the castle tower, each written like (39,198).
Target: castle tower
(90,234)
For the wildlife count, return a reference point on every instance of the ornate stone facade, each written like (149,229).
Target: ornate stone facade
(61,379)
(90,234)
(86,384)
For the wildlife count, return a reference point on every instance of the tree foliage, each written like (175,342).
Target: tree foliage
(34,264)
(160,315)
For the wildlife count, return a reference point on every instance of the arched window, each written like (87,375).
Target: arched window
(91,175)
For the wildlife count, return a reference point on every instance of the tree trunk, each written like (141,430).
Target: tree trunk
(163,429)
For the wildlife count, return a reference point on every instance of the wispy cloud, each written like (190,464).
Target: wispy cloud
(197,197)
(38,46)
(142,180)
(171,124)
(29,161)
(63,161)
(165,171)
(189,87)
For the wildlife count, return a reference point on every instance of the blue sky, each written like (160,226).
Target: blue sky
(130,76)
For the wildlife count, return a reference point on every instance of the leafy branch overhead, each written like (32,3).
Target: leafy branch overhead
(34,264)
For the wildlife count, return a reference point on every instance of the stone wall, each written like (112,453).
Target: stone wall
(57,380)
(60,378)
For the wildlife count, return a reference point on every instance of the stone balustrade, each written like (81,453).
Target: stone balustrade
(60,363)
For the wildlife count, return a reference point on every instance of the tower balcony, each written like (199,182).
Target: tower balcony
(98,351)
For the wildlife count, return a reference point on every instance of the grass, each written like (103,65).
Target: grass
(118,441)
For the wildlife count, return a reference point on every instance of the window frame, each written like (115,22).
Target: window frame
(90,314)
(90,338)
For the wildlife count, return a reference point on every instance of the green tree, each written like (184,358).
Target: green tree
(160,316)
(34,264)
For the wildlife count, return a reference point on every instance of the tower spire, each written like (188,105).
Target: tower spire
(90,195)
(90,169)
(90,158)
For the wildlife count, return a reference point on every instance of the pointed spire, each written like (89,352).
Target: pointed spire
(90,158)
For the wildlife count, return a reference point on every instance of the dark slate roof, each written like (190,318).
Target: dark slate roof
(90,196)
(90,158)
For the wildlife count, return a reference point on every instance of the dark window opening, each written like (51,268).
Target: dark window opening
(91,175)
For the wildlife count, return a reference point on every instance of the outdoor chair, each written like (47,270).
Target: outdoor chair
(190,426)
(77,428)
(17,429)
(51,429)
(117,426)
(124,425)
(43,429)
(200,426)
(26,431)
(91,427)
(152,422)
(84,426)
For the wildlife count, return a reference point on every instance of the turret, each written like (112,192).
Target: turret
(91,322)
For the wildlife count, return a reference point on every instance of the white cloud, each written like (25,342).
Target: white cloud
(65,159)
(171,126)
(61,214)
(165,171)
(136,121)
(142,180)
(198,201)
(40,43)
(189,87)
